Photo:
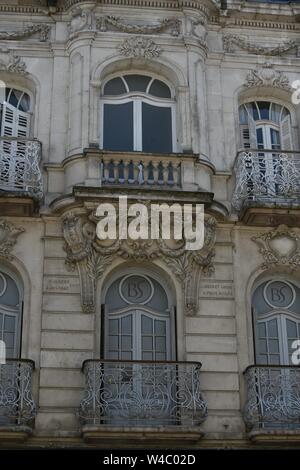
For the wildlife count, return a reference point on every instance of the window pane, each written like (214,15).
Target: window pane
(273,346)
(9,339)
(118,127)
(262,330)
(137,82)
(115,87)
(160,327)
(272,329)
(126,343)
(264,108)
(275,113)
(147,325)
(147,343)
(9,323)
(114,342)
(160,89)
(291,327)
(157,129)
(113,327)
(160,344)
(126,325)
(262,346)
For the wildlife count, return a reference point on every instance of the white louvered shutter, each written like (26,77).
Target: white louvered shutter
(286,134)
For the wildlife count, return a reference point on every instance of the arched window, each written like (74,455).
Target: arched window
(10,315)
(276,314)
(138,114)
(138,322)
(14,113)
(265,125)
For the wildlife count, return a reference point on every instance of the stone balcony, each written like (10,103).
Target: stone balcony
(272,409)
(21,185)
(140,400)
(17,407)
(267,187)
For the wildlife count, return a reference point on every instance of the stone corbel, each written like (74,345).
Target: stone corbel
(91,258)
(8,238)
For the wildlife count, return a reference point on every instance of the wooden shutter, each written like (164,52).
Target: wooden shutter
(286,133)
(15,123)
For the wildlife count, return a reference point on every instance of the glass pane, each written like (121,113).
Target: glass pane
(113,355)
(9,323)
(160,344)
(147,356)
(273,346)
(147,325)
(113,327)
(254,111)
(113,342)
(13,99)
(9,339)
(262,359)
(147,343)
(262,345)
(137,82)
(260,138)
(157,129)
(115,86)
(160,89)
(160,356)
(126,355)
(272,329)
(264,108)
(118,127)
(275,139)
(275,112)
(127,325)
(291,327)
(160,327)
(24,104)
(262,330)
(274,359)
(126,343)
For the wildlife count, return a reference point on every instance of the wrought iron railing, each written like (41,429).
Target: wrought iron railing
(20,166)
(273,397)
(266,176)
(136,393)
(150,171)
(17,406)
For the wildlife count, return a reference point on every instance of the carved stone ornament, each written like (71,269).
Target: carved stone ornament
(140,47)
(232,42)
(171,24)
(266,76)
(42,30)
(83,19)
(86,252)
(279,247)
(8,238)
(14,63)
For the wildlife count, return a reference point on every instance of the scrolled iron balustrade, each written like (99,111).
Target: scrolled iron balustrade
(137,393)
(266,176)
(20,166)
(17,406)
(273,397)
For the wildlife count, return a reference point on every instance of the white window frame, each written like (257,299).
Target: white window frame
(138,98)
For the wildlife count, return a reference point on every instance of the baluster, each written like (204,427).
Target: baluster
(150,173)
(140,176)
(111,172)
(160,168)
(121,176)
(170,175)
(131,178)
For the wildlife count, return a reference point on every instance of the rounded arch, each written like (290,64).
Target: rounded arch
(159,272)
(259,279)
(166,69)
(243,95)
(17,270)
